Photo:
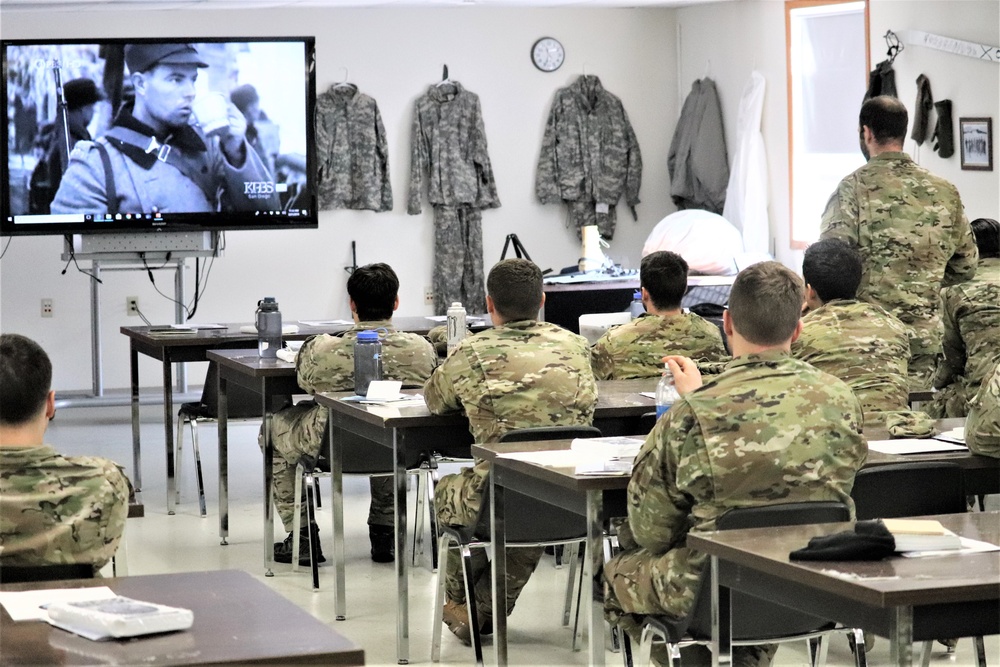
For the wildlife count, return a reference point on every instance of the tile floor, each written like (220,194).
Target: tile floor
(158,543)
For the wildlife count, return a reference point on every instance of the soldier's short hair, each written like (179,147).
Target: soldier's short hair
(25,379)
(373,288)
(515,286)
(886,117)
(987,232)
(833,269)
(765,303)
(664,275)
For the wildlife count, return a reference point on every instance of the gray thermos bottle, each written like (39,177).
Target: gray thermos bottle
(268,328)
(367,361)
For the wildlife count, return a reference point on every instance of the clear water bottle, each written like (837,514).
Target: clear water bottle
(268,328)
(636,308)
(456,325)
(367,360)
(666,392)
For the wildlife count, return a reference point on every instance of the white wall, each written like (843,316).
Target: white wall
(393,54)
(728,40)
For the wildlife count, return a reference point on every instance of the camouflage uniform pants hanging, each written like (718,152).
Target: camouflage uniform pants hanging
(458,259)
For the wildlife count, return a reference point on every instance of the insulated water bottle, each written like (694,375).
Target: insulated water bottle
(268,328)
(367,361)
(456,325)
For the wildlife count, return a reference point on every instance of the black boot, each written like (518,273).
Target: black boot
(383,543)
(283,550)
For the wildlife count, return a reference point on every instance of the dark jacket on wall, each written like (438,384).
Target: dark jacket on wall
(698,165)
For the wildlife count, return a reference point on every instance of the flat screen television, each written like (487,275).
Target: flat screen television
(206,135)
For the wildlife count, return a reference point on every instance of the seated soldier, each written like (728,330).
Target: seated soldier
(636,349)
(982,428)
(769,429)
(54,510)
(971,315)
(856,341)
(521,373)
(326,363)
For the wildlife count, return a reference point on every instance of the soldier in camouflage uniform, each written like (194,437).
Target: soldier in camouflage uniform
(636,349)
(449,145)
(326,363)
(53,509)
(971,328)
(910,228)
(769,430)
(521,373)
(982,428)
(853,340)
(590,157)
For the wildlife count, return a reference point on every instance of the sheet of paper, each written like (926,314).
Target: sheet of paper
(648,394)
(968,547)
(29,605)
(203,326)
(554,458)
(325,323)
(913,446)
(285,329)
(956,435)
(384,390)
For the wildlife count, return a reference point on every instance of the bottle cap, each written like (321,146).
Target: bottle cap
(368,336)
(456,304)
(637,294)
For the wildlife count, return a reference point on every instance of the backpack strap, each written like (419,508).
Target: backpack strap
(109,179)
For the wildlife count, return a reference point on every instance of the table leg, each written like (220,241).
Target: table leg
(901,641)
(223,431)
(595,538)
(133,361)
(402,571)
(499,539)
(336,444)
(168,423)
(722,638)
(268,486)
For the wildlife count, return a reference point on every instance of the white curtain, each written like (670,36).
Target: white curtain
(746,195)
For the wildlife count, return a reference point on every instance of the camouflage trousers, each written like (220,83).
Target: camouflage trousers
(584,213)
(638,582)
(458,259)
(298,431)
(950,401)
(458,499)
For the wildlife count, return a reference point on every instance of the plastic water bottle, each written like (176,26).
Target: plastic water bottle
(636,307)
(456,325)
(268,328)
(367,361)
(666,392)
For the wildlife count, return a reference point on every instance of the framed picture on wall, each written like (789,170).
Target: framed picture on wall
(977,143)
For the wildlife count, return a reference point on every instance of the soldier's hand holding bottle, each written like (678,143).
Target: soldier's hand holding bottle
(687,377)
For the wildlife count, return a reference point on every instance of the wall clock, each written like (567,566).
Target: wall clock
(548,54)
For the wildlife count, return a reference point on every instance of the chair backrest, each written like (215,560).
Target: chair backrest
(529,519)
(243,403)
(647,421)
(12,574)
(909,489)
(754,618)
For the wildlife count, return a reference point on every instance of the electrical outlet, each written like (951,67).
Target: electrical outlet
(46,307)
(429,296)
(132,306)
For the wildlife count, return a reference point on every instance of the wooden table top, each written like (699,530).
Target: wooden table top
(891,582)
(237,620)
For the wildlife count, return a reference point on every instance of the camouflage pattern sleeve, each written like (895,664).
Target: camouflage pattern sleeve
(840,219)
(546,180)
(952,364)
(657,511)
(59,509)
(382,163)
(439,390)
(982,428)
(486,196)
(408,357)
(633,169)
(325,363)
(419,160)
(963,263)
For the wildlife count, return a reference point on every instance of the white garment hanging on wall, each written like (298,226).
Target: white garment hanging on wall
(746,195)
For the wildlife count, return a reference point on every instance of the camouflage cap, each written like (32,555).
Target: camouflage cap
(141,57)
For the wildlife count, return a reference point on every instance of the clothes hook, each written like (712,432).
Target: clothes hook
(444,73)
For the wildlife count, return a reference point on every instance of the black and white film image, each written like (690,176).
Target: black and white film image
(261,85)
(976,143)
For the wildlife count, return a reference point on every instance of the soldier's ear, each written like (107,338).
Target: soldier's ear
(139,82)
(50,405)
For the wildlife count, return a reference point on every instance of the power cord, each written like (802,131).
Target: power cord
(72,258)
(7,245)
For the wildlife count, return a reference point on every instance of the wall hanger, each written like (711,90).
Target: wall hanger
(445,79)
(344,83)
(950,45)
(895,47)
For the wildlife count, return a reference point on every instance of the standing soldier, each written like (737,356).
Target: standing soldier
(910,228)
